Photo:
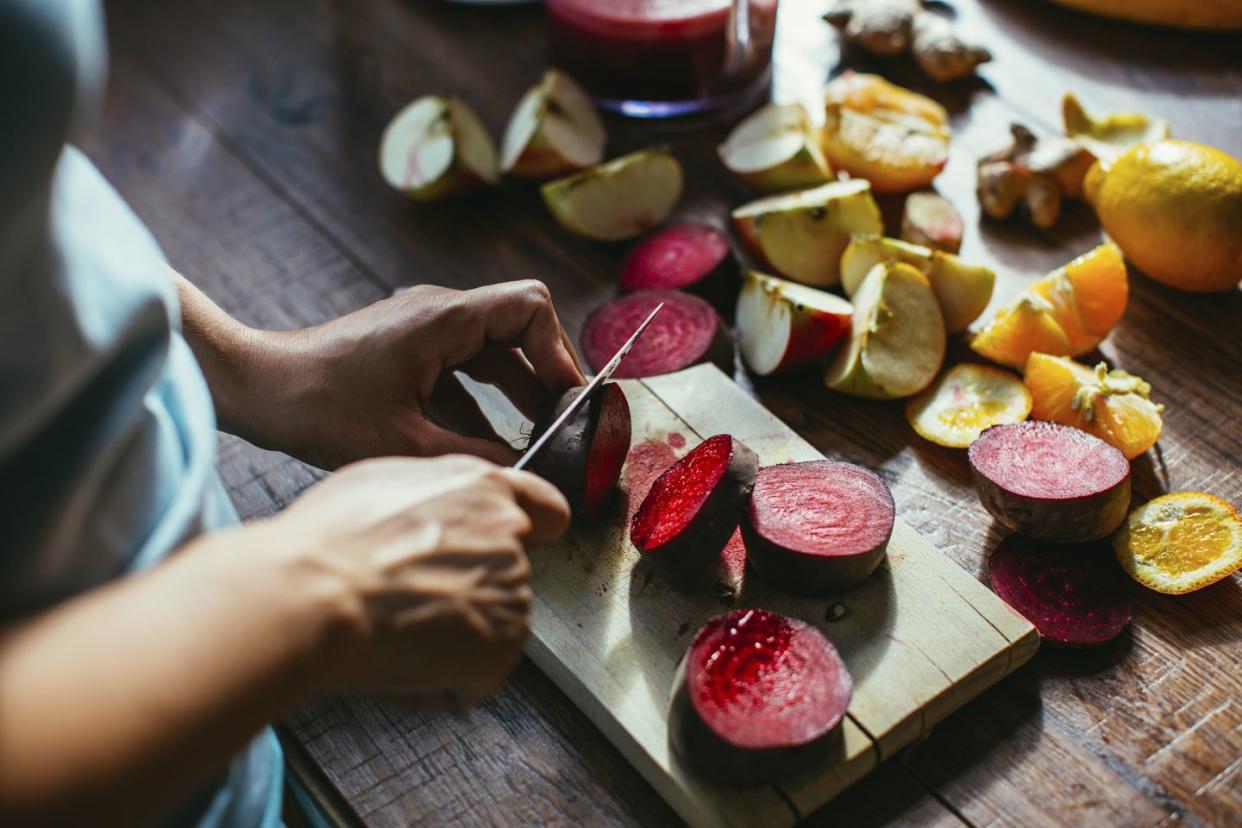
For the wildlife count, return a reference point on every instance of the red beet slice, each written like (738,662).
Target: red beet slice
(1051,482)
(688,331)
(682,257)
(818,527)
(692,508)
(1073,594)
(584,458)
(757,697)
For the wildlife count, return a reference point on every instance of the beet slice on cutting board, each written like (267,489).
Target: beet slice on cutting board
(688,331)
(585,457)
(1051,482)
(757,697)
(683,257)
(692,508)
(817,527)
(1073,593)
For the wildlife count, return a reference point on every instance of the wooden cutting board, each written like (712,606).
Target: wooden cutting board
(921,636)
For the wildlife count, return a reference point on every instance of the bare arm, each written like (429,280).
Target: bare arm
(118,704)
(399,577)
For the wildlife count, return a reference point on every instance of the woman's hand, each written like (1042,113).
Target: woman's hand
(368,384)
(430,560)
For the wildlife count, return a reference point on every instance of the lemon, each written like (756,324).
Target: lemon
(1175,209)
(1180,542)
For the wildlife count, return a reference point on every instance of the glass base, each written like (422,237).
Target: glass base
(677,109)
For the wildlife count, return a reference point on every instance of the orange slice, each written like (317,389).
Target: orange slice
(896,139)
(964,401)
(1113,405)
(1180,542)
(1066,313)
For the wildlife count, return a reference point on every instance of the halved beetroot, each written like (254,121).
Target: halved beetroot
(683,257)
(692,508)
(584,458)
(818,527)
(757,697)
(1073,594)
(688,331)
(1050,481)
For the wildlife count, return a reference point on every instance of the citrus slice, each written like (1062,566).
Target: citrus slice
(873,129)
(1110,136)
(1180,542)
(1066,313)
(964,401)
(1113,405)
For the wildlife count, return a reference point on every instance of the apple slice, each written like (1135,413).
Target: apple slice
(618,199)
(783,325)
(554,130)
(436,147)
(776,148)
(928,218)
(962,289)
(897,340)
(802,235)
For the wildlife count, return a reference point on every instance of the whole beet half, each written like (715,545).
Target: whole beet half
(584,459)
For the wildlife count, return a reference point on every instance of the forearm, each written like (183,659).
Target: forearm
(118,704)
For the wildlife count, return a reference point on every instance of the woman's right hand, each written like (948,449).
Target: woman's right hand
(426,560)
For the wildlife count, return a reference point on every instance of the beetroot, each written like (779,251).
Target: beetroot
(585,457)
(692,508)
(817,527)
(1073,594)
(682,257)
(757,697)
(688,331)
(1051,482)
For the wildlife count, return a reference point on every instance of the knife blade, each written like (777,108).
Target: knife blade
(599,379)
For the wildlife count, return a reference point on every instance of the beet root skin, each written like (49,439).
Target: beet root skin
(691,257)
(584,459)
(1074,594)
(1050,482)
(685,521)
(753,715)
(686,332)
(818,527)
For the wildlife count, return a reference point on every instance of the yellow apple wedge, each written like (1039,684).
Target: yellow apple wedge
(618,199)
(776,148)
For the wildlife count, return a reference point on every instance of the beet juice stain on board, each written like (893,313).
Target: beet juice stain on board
(659,57)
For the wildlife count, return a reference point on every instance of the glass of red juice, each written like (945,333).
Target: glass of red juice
(662,58)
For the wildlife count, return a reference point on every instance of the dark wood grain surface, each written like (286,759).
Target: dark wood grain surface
(245,134)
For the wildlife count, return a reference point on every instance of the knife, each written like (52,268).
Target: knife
(581,400)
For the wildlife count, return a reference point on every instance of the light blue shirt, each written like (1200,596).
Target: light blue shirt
(107,433)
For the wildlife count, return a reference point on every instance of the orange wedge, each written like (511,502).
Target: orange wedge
(1066,313)
(896,139)
(966,399)
(1180,542)
(1113,405)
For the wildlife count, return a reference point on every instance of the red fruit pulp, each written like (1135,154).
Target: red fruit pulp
(676,257)
(609,446)
(681,335)
(652,50)
(1073,594)
(677,495)
(822,508)
(1043,460)
(761,680)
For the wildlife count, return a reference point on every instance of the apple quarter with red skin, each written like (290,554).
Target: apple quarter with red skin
(783,326)
(817,527)
(584,458)
(1050,481)
(436,147)
(686,332)
(756,698)
(801,235)
(554,130)
(692,508)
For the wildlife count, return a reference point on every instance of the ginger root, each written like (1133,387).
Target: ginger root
(1035,174)
(892,27)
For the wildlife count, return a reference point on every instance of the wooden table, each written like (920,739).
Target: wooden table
(245,134)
